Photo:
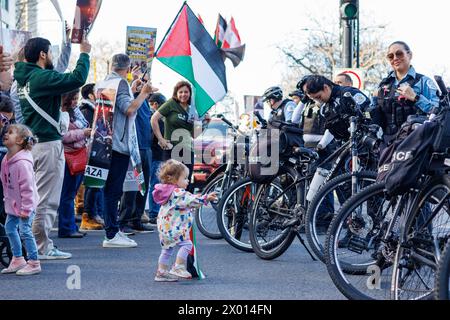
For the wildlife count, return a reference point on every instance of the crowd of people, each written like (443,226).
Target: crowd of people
(45,123)
(39,185)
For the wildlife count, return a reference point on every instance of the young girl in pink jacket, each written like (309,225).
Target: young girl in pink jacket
(21,199)
(175,219)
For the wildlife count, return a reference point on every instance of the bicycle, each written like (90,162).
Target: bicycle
(386,246)
(223,178)
(443,276)
(269,214)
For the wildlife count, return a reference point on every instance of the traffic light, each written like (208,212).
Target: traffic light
(349,9)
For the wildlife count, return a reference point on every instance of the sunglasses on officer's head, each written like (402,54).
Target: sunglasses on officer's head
(399,54)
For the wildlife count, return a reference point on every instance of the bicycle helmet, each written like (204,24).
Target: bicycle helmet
(298,93)
(273,93)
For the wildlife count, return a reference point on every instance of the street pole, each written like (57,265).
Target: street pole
(348,44)
(349,14)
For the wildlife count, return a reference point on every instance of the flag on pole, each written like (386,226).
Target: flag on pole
(231,46)
(231,38)
(189,50)
(58,10)
(219,34)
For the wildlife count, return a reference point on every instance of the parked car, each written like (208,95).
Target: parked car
(210,148)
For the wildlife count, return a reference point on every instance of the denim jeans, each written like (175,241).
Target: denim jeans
(132,204)
(113,192)
(93,202)
(66,210)
(154,180)
(17,228)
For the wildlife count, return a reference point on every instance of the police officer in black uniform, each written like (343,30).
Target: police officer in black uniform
(338,104)
(282,110)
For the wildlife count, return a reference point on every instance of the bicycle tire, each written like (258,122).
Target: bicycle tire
(408,249)
(311,227)
(229,231)
(352,279)
(443,276)
(205,224)
(275,248)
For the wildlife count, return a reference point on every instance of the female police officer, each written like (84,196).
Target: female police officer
(403,93)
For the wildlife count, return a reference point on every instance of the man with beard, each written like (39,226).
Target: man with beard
(45,87)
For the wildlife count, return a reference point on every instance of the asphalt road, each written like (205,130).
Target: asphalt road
(127,274)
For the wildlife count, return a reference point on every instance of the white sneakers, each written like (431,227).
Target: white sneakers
(119,241)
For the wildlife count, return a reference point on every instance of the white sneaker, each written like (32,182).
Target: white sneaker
(125,237)
(55,254)
(119,241)
(180,272)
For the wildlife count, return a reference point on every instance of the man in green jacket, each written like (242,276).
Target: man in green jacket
(45,87)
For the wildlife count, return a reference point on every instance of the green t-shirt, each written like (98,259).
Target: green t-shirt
(177,118)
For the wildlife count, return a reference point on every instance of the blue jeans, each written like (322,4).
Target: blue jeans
(17,228)
(132,204)
(154,180)
(66,210)
(93,202)
(113,192)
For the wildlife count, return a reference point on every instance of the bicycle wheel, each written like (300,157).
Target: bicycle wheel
(423,239)
(327,203)
(233,212)
(443,276)
(358,262)
(206,216)
(275,217)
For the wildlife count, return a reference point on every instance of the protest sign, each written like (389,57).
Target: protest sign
(141,47)
(86,12)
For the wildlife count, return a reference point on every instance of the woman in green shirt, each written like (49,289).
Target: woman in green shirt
(178,125)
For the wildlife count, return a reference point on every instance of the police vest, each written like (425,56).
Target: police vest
(338,110)
(279,114)
(312,121)
(395,108)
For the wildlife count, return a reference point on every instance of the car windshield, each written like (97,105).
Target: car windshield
(214,129)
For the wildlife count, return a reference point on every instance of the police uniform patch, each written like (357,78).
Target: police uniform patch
(359,98)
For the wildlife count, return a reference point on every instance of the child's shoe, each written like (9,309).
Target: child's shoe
(33,267)
(165,277)
(15,265)
(180,271)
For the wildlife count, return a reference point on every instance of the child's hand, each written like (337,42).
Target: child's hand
(212,197)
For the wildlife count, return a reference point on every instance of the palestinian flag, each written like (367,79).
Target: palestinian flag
(189,50)
(231,38)
(219,34)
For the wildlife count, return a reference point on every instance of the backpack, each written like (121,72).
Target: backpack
(410,159)
(263,166)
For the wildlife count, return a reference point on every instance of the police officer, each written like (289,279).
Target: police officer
(311,120)
(338,103)
(403,93)
(282,110)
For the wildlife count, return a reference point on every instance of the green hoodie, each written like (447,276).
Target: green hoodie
(45,87)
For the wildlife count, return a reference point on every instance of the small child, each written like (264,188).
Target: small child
(21,199)
(175,219)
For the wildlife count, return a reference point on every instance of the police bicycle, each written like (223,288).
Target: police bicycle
(387,245)
(279,215)
(225,176)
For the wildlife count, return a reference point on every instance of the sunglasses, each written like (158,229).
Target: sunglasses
(399,54)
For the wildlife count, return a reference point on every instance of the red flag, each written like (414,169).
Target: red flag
(232,38)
